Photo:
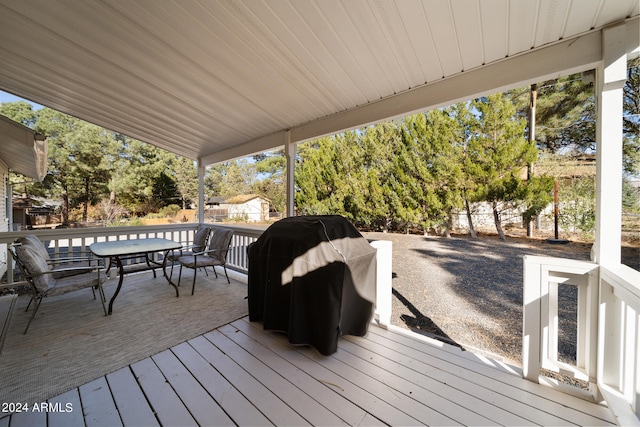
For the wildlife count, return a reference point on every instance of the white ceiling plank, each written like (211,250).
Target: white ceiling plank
(495,28)
(582,14)
(358,56)
(552,16)
(373,53)
(445,38)
(333,50)
(307,46)
(404,34)
(522,37)
(467,27)
(610,11)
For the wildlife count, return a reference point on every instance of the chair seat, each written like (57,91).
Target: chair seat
(192,261)
(177,256)
(76,282)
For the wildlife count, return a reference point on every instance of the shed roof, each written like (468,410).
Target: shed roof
(244,198)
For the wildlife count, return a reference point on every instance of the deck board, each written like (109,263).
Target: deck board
(535,399)
(343,409)
(129,399)
(166,403)
(199,403)
(264,399)
(97,404)
(226,395)
(71,413)
(487,403)
(314,412)
(468,409)
(364,398)
(240,374)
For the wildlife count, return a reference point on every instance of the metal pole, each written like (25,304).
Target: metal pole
(555,208)
(532,137)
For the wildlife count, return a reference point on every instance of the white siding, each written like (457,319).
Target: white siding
(251,209)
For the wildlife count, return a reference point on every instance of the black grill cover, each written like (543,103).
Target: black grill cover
(313,277)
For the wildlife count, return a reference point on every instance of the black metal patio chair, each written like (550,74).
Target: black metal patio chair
(46,281)
(199,244)
(214,255)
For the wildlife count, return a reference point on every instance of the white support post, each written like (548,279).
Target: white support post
(532,311)
(290,154)
(610,79)
(384,271)
(201,171)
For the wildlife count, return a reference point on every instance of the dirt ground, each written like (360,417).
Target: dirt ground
(469,291)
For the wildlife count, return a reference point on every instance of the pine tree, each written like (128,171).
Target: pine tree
(499,155)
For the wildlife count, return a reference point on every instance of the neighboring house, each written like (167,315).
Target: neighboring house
(23,151)
(249,207)
(214,202)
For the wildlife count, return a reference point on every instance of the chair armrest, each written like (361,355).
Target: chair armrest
(70,260)
(208,251)
(87,269)
(187,247)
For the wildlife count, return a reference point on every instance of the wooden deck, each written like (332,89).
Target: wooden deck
(241,375)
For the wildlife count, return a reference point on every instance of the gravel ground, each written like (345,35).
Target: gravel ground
(469,291)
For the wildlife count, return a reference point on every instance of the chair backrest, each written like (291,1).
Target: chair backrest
(31,240)
(220,240)
(200,239)
(32,265)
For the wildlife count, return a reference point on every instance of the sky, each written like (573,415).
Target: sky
(7,97)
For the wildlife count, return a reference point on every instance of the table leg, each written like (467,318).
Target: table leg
(121,271)
(168,277)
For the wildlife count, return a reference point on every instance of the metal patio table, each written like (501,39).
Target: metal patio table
(119,250)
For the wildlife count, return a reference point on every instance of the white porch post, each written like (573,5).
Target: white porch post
(611,76)
(201,171)
(290,154)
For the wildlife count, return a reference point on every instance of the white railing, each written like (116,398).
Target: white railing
(62,241)
(607,328)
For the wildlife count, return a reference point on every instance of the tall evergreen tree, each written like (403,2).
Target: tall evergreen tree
(499,155)
(77,152)
(165,191)
(271,167)
(184,173)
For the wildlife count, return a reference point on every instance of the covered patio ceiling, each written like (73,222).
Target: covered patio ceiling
(218,79)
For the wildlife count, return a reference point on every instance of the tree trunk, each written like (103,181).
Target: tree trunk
(448,224)
(496,220)
(85,209)
(472,230)
(64,208)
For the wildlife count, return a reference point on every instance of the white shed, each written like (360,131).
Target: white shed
(251,207)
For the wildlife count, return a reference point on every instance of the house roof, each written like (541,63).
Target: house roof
(244,198)
(215,200)
(217,80)
(23,150)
